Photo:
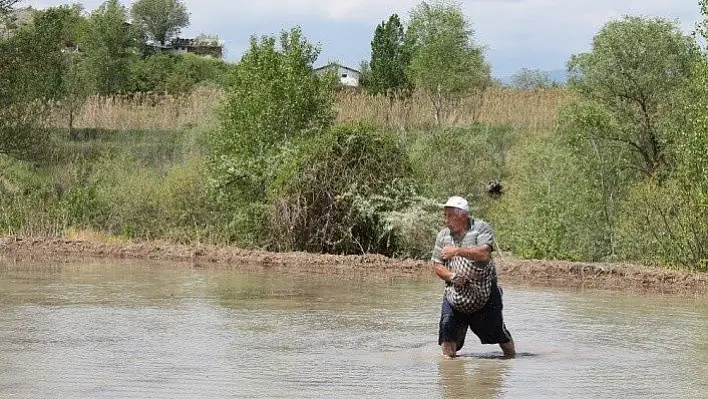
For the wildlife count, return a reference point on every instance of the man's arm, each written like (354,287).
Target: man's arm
(479,252)
(437,259)
(441,271)
(438,262)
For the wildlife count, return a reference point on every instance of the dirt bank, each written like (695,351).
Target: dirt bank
(526,272)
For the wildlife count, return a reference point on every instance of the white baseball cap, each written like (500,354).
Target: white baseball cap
(457,202)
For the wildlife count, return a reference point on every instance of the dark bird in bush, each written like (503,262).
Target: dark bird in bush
(494,188)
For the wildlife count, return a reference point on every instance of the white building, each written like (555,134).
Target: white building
(347,76)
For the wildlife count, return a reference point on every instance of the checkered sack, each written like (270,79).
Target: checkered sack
(472,296)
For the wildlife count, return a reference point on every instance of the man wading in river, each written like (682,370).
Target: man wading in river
(462,258)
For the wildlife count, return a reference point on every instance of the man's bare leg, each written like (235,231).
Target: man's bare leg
(509,349)
(448,349)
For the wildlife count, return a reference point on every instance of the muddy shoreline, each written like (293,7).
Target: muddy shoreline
(624,277)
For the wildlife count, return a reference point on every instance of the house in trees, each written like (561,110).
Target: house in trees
(347,76)
(204,46)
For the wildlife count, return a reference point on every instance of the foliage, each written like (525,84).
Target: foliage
(76,84)
(364,74)
(691,150)
(159,20)
(389,60)
(633,72)
(139,184)
(273,97)
(627,134)
(176,74)
(331,193)
(670,227)
(27,196)
(702,26)
(607,166)
(445,61)
(6,5)
(110,45)
(150,74)
(532,79)
(31,77)
(461,161)
(549,209)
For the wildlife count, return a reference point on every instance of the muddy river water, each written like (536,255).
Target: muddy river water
(99,330)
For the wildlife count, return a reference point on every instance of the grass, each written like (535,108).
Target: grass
(93,236)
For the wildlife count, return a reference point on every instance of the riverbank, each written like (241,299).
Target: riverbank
(623,277)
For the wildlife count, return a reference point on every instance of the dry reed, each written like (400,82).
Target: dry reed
(144,111)
(532,110)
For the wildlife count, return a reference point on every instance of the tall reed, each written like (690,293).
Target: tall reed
(531,110)
(143,111)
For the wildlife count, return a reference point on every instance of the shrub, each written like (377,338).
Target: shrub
(549,210)
(460,161)
(334,190)
(273,97)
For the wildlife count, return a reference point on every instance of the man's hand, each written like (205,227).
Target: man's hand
(446,275)
(459,280)
(449,252)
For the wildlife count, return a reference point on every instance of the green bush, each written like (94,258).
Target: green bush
(29,199)
(660,225)
(461,161)
(135,184)
(549,209)
(273,98)
(169,203)
(191,212)
(176,74)
(412,219)
(333,191)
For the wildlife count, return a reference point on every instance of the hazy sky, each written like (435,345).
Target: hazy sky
(517,33)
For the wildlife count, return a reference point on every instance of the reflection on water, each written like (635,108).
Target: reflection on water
(465,377)
(136,330)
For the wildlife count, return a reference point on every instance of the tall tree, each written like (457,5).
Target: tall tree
(109,44)
(445,62)
(633,73)
(75,85)
(160,20)
(389,59)
(620,129)
(31,77)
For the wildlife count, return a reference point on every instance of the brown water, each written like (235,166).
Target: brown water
(137,331)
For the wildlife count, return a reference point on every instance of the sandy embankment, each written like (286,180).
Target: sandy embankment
(526,272)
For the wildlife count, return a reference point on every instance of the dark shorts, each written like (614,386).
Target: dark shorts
(487,323)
